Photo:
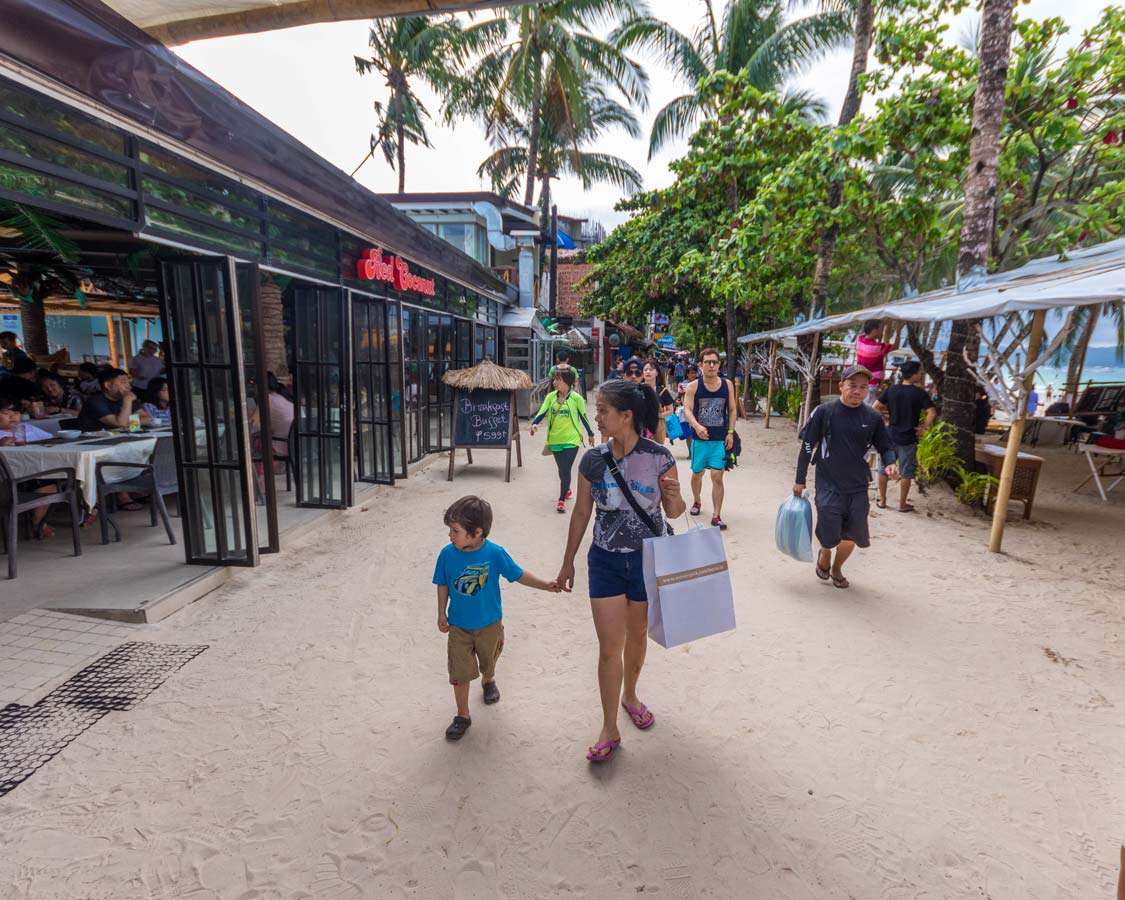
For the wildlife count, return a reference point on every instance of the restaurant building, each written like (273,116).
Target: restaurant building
(255,254)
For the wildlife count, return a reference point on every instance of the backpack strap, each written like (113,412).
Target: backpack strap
(611,464)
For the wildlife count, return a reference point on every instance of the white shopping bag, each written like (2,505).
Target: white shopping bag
(688,586)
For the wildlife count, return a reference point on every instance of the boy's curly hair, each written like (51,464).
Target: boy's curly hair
(471,513)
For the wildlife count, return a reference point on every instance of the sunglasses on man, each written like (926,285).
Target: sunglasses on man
(633,372)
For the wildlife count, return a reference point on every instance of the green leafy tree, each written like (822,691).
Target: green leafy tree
(406,51)
(536,51)
(751,37)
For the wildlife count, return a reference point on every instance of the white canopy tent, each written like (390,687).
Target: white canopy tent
(180,21)
(1086,278)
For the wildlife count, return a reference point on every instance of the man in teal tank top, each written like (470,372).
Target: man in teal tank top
(708,409)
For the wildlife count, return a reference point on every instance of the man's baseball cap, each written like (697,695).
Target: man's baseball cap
(852,371)
(635,362)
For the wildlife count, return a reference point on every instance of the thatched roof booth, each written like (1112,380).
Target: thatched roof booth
(487,376)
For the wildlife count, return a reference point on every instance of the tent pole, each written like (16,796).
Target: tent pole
(1015,436)
(769,386)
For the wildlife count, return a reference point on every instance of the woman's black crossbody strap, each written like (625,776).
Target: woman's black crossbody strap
(611,464)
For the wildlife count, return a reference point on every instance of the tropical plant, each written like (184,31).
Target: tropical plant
(567,125)
(974,487)
(405,51)
(751,37)
(538,50)
(937,454)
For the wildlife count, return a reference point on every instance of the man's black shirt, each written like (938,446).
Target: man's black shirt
(906,402)
(843,434)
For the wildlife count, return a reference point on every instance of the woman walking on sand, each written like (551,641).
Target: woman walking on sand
(632,482)
(565,410)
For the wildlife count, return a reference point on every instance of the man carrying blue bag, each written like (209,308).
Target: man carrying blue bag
(793,529)
(836,439)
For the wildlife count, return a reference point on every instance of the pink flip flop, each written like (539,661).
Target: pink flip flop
(603,751)
(642,717)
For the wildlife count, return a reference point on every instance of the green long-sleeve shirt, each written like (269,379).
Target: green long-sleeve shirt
(563,420)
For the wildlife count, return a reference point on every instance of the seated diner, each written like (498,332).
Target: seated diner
(112,406)
(20,386)
(159,403)
(56,398)
(14,432)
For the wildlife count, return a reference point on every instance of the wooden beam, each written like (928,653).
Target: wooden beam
(112,337)
(1015,436)
(272,16)
(769,387)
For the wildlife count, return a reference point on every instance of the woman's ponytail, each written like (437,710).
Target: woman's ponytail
(639,399)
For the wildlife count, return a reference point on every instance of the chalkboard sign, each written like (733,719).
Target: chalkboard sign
(483,418)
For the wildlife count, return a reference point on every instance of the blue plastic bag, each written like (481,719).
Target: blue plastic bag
(793,530)
(675,429)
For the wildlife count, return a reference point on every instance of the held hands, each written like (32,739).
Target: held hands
(565,580)
(443,624)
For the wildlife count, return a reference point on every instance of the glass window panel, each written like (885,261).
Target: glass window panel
(202,181)
(379,393)
(393,341)
(202,511)
(331,378)
(310,468)
(185,329)
(308,326)
(189,389)
(58,190)
(332,448)
(169,221)
(367,450)
(223,402)
(360,322)
(203,206)
(309,400)
(61,118)
(230,493)
(378,331)
(364,400)
(37,147)
(330,336)
(216,343)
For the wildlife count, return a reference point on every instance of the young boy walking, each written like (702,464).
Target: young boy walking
(467,576)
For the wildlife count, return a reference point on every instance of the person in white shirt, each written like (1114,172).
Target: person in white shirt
(145,365)
(14,432)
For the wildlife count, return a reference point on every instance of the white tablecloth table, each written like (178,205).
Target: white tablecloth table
(83,456)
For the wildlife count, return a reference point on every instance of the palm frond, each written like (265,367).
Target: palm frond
(676,120)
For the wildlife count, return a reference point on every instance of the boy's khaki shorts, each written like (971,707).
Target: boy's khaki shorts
(474,653)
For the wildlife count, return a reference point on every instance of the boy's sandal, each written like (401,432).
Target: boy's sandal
(603,751)
(43,531)
(840,581)
(491,693)
(457,730)
(642,716)
(822,573)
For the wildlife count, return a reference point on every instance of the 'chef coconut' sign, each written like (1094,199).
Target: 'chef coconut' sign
(374,266)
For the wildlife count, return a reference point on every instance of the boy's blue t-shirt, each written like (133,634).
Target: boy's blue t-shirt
(473,579)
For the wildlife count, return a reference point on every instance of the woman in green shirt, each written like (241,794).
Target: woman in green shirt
(564,409)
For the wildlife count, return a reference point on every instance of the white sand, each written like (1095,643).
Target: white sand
(950,727)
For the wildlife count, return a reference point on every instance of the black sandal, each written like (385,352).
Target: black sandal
(457,730)
(491,693)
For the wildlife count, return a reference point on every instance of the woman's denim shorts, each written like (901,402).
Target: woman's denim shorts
(614,574)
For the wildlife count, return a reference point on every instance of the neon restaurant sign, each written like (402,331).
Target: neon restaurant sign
(374,266)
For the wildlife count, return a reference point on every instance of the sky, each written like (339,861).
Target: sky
(304,79)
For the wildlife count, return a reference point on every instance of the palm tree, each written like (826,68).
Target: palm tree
(567,122)
(551,52)
(752,36)
(411,48)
